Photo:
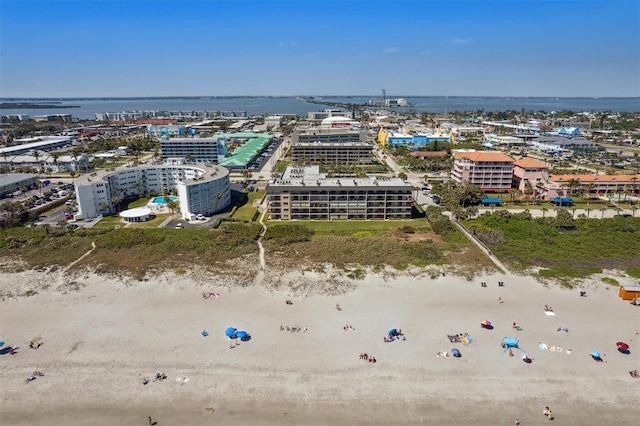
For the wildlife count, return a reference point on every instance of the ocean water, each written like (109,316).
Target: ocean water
(290,105)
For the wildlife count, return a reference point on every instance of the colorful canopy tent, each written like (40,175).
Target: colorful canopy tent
(490,201)
(562,201)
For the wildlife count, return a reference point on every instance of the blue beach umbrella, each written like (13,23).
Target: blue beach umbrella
(241,334)
(393,332)
(596,354)
(231,332)
(1,344)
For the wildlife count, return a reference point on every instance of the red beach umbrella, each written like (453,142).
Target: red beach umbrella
(622,345)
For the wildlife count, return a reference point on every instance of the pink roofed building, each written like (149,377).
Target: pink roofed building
(529,170)
(492,171)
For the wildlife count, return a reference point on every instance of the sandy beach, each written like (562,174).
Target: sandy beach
(102,335)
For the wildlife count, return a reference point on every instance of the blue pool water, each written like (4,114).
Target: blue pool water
(161,200)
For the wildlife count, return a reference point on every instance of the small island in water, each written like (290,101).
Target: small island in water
(28,105)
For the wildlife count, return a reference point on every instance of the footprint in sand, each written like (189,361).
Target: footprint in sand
(74,347)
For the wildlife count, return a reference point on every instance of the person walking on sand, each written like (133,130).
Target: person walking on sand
(500,299)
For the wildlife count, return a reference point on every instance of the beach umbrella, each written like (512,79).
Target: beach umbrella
(393,332)
(596,354)
(231,332)
(486,322)
(1,344)
(622,346)
(241,334)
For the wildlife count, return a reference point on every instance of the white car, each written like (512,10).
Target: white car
(179,226)
(200,217)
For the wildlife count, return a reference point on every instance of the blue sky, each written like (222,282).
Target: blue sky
(303,47)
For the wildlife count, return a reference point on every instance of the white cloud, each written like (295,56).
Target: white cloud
(390,50)
(462,40)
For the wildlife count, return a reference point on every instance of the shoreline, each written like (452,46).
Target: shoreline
(101,337)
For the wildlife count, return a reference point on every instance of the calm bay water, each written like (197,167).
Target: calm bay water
(268,106)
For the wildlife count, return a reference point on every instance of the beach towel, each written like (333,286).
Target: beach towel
(543,346)
(549,313)
(453,339)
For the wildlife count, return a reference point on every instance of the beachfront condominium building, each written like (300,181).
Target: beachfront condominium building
(605,185)
(199,150)
(304,193)
(201,189)
(530,170)
(332,153)
(490,170)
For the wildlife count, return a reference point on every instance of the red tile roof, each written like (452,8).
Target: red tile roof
(485,156)
(530,163)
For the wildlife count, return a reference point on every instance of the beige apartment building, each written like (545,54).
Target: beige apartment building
(332,153)
(490,170)
(304,193)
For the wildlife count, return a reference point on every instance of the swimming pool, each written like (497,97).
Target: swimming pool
(161,200)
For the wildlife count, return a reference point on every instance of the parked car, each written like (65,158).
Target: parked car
(200,217)
(179,226)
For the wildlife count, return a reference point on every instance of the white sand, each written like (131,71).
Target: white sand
(104,335)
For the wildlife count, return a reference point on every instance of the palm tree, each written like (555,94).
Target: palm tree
(36,154)
(117,200)
(602,210)
(55,156)
(544,211)
(588,210)
(104,206)
(172,205)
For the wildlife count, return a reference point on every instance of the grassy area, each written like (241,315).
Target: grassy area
(591,246)
(110,222)
(131,251)
(610,281)
(246,211)
(140,202)
(353,227)
(633,272)
(281,165)
(396,243)
(153,223)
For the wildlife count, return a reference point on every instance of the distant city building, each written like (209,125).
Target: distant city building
(166,130)
(328,113)
(178,115)
(490,170)
(397,139)
(201,189)
(47,162)
(306,194)
(339,123)
(12,182)
(273,122)
(199,150)
(504,140)
(41,143)
(552,144)
(65,118)
(14,118)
